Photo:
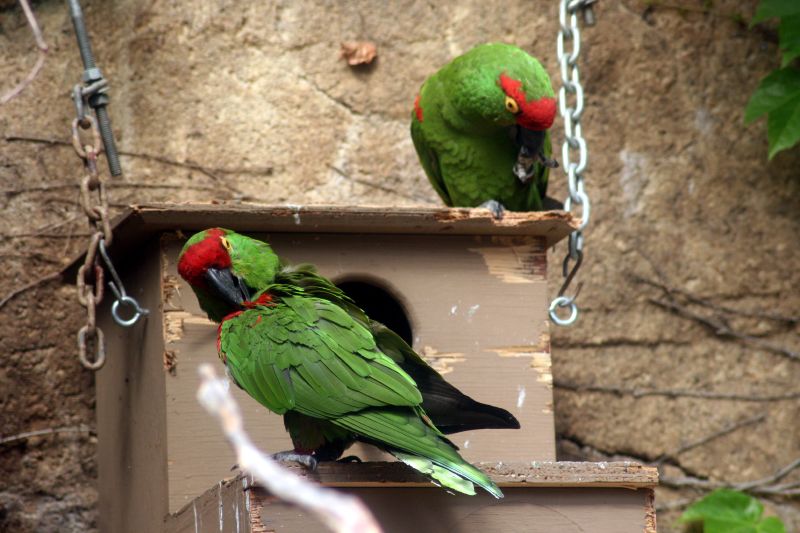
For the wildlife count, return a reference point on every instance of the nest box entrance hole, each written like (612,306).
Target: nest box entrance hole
(380,304)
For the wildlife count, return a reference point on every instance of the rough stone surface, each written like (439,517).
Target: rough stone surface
(255,93)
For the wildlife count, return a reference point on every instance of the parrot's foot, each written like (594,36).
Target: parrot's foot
(350,459)
(495,207)
(292,456)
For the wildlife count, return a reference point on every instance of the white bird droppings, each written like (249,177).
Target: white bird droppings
(520,396)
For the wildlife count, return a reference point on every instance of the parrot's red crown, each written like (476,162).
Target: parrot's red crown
(198,258)
(534,115)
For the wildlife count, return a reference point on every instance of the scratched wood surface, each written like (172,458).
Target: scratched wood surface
(545,497)
(477,307)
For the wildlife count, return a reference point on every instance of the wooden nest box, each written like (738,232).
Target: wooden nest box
(467,291)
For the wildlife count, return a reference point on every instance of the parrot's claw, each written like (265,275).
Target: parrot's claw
(546,161)
(293,457)
(350,459)
(495,207)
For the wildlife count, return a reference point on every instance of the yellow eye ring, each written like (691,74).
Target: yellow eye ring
(226,244)
(511,105)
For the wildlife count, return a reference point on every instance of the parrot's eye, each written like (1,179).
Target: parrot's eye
(226,244)
(511,105)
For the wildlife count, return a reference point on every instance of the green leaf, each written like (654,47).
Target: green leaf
(768,9)
(783,126)
(789,34)
(730,511)
(775,90)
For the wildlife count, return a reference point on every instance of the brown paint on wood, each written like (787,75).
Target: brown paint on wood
(131,404)
(543,497)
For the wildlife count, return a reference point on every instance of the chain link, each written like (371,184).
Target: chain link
(569,32)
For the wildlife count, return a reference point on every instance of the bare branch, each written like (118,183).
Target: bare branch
(791,320)
(49,431)
(729,428)
(40,44)
(16,292)
(676,393)
(378,187)
(340,512)
(721,329)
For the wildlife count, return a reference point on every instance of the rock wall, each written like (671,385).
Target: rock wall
(249,101)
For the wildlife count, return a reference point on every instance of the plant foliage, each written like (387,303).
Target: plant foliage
(731,511)
(778,95)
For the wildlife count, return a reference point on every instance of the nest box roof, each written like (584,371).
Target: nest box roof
(140,222)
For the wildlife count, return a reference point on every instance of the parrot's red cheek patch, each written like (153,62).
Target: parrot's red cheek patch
(418,109)
(200,257)
(535,115)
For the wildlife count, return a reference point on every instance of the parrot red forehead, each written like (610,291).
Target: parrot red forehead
(534,115)
(208,253)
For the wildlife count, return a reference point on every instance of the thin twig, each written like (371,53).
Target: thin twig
(383,188)
(728,429)
(676,393)
(42,48)
(721,329)
(16,292)
(50,431)
(791,320)
(340,512)
(211,172)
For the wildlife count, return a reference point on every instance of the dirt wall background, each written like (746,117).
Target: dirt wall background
(691,251)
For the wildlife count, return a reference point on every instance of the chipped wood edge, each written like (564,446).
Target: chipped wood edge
(549,474)
(650,512)
(138,223)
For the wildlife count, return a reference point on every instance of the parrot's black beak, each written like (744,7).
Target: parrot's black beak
(227,286)
(531,149)
(530,141)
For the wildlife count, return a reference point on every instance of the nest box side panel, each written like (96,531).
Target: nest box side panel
(130,407)
(477,308)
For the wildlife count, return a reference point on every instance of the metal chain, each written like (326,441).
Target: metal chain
(94,201)
(90,274)
(573,141)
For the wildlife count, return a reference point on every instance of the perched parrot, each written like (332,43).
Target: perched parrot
(300,347)
(480,127)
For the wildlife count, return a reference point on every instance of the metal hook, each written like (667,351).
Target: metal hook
(567,301)
(119,291)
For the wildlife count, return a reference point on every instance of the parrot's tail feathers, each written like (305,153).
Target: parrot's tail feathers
(458,477)
(551,204)
(442,476)
(470,415)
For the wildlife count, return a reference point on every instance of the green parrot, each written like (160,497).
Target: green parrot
(480,127)
(300,347)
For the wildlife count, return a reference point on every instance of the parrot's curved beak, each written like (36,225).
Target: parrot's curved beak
(227,286)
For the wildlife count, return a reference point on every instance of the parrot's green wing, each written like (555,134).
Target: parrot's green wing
(308,355)
(450,410)
(429,160)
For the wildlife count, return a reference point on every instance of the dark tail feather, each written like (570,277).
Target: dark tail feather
(551,204)
(468,414)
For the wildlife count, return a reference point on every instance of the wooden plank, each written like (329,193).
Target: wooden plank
(553,225)
(539,497)
(140,223)
(540,474)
